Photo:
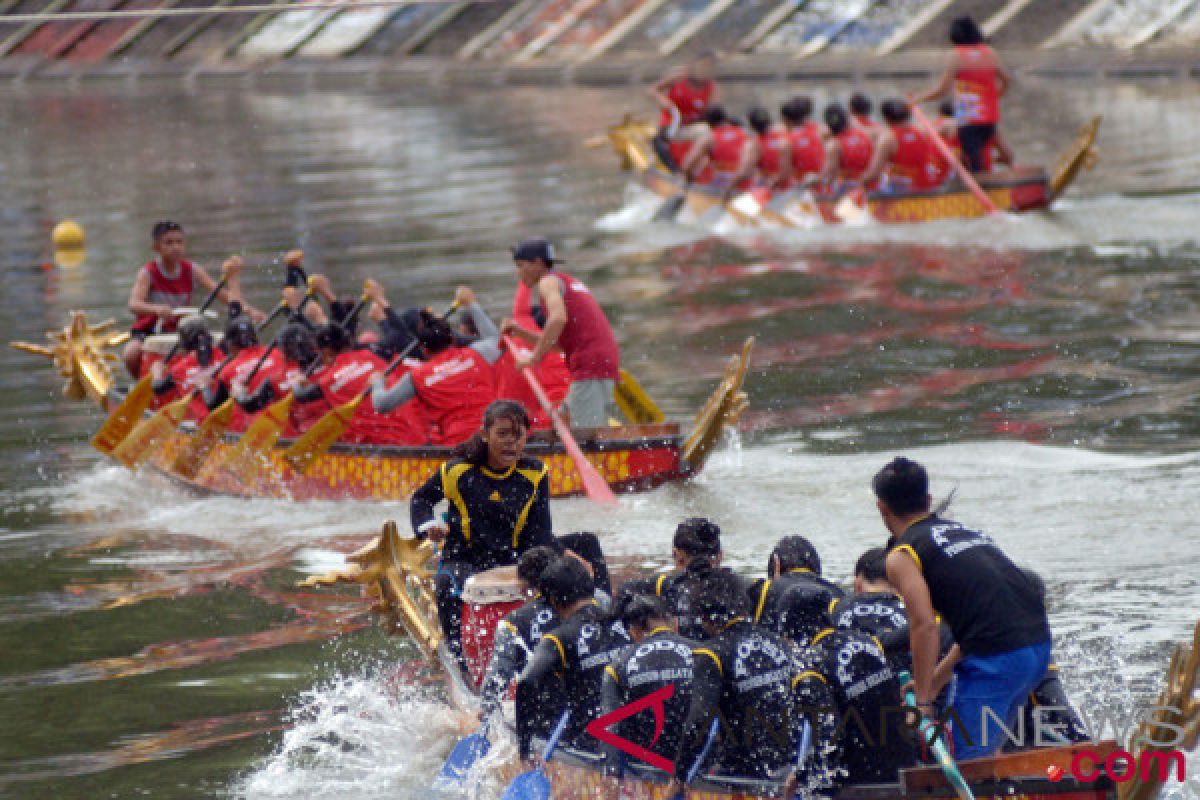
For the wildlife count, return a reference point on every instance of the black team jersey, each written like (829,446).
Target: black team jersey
(795,604)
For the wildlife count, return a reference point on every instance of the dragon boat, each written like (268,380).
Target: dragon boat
(630,457)
(1015,190)
(396,573)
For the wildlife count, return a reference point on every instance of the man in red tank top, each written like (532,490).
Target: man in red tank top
(575,323)
(807,140)
(978,80)
(727,153)
(551,371)
(774,168)
(165,284)
(683,97)
(904,160)
(848,150)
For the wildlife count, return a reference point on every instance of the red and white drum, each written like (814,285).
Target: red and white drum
(487,597)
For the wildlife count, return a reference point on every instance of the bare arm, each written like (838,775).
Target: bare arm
(904,574)
(1003,79)
(694,161)
(944,84)
(785,168)
(550,289)
(833,160)
(745,166)
(659,90)
(879,159)
(139,302)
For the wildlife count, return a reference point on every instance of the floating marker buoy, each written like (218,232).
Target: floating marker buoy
(68,238)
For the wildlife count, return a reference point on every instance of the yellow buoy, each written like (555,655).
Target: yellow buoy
(68,238)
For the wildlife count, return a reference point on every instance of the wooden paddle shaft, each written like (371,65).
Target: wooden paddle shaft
(952,159)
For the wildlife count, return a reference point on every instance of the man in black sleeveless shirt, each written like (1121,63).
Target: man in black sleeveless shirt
(993,609)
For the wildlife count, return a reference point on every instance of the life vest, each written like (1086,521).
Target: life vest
(857,150)
(346,378)
(976,93)
(173,292)
(691,99)
(587,340)
(454,387)
(771,150)
(808,151)
(912,165)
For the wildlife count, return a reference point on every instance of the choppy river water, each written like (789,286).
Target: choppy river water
(153,644)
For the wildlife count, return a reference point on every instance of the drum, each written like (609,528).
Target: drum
(487,597)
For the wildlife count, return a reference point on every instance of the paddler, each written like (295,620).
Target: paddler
(774,168)
(860,114)
(848,150)
(165,283)
(189,371)
(683,96)
(724,157)
(453,385)
(238,378)
(905,160)
(794,600)
(875,608)
(499,507)
(806,140)
(572,321)
(994,610)
(552,372)
(566,669)
(978,80)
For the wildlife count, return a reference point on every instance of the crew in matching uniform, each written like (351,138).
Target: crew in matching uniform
(774,168)
(875,609)
(566,669)
(860,114)
(848,149)
(659,657)
(743,675)
(806,139)
(250,368)
(994,610)
(725,157)
(683,97)
(572,321)
(905,160)
(793,600)
(499,507)
(978,80)
(190,370)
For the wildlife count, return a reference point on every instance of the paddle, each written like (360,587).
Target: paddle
(317,440)
(634,403)
(462,758)
(594,485)
(694,770)
(535,784)
(930,733)
(126,415)
(952,160)
(789,788)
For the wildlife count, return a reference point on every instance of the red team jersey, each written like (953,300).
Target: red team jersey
(772,146)
(454,388)
(238,370)
(856,153)
(976,90)
(184,371)
(808,151)
(173,292)
(912,166)
(587,341)
(690,98)
(347,377)
(551,371)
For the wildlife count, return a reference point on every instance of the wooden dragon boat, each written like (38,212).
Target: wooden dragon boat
(1016,190)
(397,574)
(631,457)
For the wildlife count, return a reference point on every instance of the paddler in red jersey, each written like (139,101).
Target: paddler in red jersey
(453,385)
(978,80)
(551,371)
(774,168)
(575,323)
(238,378)
(860,115)
(165,284)
(683,97)
(848,150)
(724,157)
(806,138)
(905,159)
(192,369)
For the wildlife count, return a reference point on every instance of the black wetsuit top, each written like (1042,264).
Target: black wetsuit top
(744,674)
(493,517)
(565,673)
(990,605)
(795,604)
(871,741)
(516,637)
(664,658)
(677,590)
(1050,710)
(880,614)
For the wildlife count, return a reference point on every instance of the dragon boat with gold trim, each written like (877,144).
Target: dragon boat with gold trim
(631,458)
(397,574)
(1015,190)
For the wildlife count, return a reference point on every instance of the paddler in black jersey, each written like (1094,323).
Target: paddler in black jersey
(876,609)
(499,507)
(994,610)
(567,667)
(658,658)
(794,599)
(742,674)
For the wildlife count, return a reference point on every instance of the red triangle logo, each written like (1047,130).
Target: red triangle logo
(601,727)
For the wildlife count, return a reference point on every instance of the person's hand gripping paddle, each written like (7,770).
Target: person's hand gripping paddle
(931,736)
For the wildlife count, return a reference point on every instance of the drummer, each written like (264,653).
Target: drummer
(499,507)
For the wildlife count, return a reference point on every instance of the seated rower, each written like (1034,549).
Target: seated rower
(794,600)
(659,657)
(904,159)
(860,114)
(586,547)
(241,340)
(774,168)
(743,673)
(725,157)
(806,140)
(165,283)
(875,609)
(683,96)
(500,508)
(565,671)
(187,371)
(520,630)
(848,150)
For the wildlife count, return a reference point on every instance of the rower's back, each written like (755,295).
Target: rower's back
(795,601)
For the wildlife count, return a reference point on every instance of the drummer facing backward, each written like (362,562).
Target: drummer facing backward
(572,320)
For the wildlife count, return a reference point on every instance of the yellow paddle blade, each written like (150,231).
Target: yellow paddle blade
(123,419)
(149,434)
(634,403)
(246,462)
(197,449)
(320,437)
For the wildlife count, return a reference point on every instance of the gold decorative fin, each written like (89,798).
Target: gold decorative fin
(1082,155)
(80,352)
(723,409)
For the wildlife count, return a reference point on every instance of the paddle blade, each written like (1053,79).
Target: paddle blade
(532,785)
(149,434)
(462,758)
(634,403)
(321,436)
(246,463)
(198,448)
(124,417)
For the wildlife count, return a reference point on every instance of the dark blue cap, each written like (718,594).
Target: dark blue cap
(538,249)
